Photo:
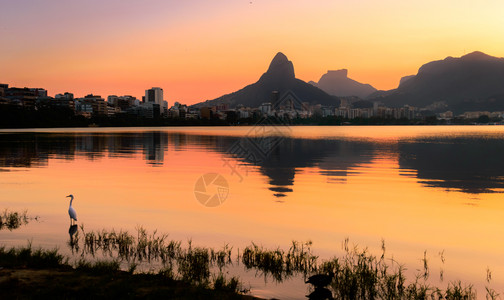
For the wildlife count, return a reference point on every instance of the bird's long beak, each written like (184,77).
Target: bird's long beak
(67,196)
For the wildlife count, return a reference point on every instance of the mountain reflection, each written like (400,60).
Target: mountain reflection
(333,158)
(470,165)
(284,159)
(467,164)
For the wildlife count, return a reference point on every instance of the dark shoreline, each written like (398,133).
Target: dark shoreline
(68,283)
(18,118)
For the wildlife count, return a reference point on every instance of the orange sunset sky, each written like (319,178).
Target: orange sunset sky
(197,50)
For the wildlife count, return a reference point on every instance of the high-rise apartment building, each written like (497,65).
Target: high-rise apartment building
(154,101)
(154,95)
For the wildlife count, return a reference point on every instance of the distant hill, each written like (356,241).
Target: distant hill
(472,82)
(337,83)
(280,77)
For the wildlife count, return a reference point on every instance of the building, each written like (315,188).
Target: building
(244,113)
(327,111)
(3,87)
(91,104)
(192,113)
(39,93)
(123,103)
(155,96)
(66,96)
(112,110)
(63,100)
(475,114)
(178,111)
(206,113)
(149,110)
(3,100)
(266,109)
(221,107)
(447,115)
(112,100)
(22,96)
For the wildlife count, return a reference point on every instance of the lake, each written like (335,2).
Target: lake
(419,188)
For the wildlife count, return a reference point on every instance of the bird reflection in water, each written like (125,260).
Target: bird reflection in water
(74,238)
(320,282)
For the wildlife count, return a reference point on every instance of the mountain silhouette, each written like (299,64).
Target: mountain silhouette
(472,82)
(279,77)
(405,78)
(337,83)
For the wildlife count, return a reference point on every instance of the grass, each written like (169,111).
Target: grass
(30,258)
(13,220)
(35,273)
(361,275)
(221,283)
(358,274)
(99,266)
(278,263)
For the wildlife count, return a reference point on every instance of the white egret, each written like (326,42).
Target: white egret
(71,211)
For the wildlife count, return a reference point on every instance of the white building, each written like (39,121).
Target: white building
(154,95)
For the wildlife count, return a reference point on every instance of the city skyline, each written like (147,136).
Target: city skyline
(200,50)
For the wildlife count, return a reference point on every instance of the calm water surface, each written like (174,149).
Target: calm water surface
(420,189)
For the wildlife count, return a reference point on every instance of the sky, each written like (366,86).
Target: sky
(197,50)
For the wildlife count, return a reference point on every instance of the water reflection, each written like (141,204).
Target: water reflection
(320,283)
(13,220)
(471,165)
(333,157)
(73,243)
(320,293)
(155,144)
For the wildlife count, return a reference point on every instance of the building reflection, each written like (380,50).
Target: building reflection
(154,145)
(470,165)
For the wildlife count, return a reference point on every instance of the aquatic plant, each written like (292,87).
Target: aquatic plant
(356,273)
(233,284)
(45,274)
(13,220)
(361,275)
(191,264)
(194,265)
(278,263)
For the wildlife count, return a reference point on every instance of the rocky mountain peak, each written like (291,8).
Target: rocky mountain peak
(281,66)
(342,73)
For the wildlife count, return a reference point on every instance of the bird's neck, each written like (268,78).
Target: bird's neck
(71,199)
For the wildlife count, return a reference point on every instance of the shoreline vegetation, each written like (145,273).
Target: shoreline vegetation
(27,273)
(14,117)
(13,220)
(107,262)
